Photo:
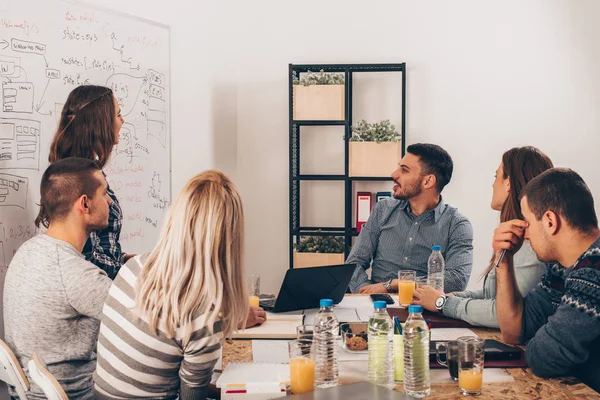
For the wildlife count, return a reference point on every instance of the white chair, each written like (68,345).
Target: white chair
(44,379)
(11,371)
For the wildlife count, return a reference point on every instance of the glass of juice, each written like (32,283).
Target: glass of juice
(406,286)
(470,365)
(254,290)
(302,366)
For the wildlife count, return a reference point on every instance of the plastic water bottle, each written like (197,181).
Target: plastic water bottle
(435,269)
(381,329)
(416,354)
(326,335)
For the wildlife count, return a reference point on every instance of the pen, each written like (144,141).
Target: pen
(500,258)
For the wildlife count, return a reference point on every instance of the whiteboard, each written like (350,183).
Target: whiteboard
(49,47)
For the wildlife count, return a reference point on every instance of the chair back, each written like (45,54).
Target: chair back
(11,371)
(44,379)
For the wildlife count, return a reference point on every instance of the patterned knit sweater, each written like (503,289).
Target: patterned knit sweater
(561,320)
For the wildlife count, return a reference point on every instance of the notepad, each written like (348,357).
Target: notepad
(447,334)
(277,326)
(247,373)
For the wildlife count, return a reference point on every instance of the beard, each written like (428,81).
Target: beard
(407,192)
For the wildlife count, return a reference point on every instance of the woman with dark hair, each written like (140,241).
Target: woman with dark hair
(519,165)
(89,128)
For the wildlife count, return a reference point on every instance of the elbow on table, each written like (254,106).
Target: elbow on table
(510,338)
(541,367)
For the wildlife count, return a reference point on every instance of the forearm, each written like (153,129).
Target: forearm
(509,302)
(359,279)
(474,311)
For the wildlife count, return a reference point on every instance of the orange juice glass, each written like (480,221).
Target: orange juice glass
(406,286)
(470,380)
(254,301)
(302,366)
(254,290)
(470,365)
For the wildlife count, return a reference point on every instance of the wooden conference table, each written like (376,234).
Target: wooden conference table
(525,386)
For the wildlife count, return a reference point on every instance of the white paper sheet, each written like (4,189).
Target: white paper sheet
(270,351)
(490,375)
(447,334)
(343,314)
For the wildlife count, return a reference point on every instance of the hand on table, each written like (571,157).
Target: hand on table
(426,296)
(375,288)
(256,316)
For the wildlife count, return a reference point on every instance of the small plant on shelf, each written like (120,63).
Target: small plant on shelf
(379,132)
(319,78)
(320,244)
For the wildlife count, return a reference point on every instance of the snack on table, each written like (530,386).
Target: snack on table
(356,343)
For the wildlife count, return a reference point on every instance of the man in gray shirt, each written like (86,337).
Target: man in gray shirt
(53,297)
(401,230)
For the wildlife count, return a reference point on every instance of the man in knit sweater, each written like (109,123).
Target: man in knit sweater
(53,297)
(560,319)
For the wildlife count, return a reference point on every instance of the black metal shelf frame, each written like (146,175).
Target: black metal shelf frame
(295,177)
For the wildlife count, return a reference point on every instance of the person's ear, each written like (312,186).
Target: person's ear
(507,186)
(429,181)
(551,222)
(83,204)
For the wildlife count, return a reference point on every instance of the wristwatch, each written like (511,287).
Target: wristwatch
(440,301)
(388,285)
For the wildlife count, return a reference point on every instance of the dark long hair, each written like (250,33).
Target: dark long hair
(520,164)
(86,127)
(86,130)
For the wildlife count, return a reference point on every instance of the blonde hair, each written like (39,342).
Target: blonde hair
(196,267)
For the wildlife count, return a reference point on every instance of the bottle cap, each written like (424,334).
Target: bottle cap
(415,309)
(436,248)
(379,304)
(326,303)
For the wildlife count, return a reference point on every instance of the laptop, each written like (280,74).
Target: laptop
(303,288)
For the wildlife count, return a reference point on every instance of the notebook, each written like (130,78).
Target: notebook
(277,326)
(248,373)
(355,391)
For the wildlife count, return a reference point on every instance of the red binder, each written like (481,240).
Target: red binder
(364,202)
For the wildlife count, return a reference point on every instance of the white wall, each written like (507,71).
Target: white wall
(481,78)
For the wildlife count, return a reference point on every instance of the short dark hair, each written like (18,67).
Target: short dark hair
(564,192)
(64,182)
(434,160)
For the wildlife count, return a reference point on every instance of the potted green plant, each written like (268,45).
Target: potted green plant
(318,96)
(316,251)
(374,149)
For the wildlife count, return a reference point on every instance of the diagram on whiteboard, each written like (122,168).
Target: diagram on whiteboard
(48,50)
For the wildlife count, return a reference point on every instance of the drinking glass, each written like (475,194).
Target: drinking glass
(470,365)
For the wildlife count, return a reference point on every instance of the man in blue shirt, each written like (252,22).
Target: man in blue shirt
(401,230)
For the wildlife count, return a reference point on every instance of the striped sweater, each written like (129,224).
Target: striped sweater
(134,363)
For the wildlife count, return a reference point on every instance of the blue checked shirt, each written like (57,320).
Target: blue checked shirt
(395,239)
(102,247)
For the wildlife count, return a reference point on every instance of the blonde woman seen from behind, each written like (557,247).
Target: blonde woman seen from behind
(167,311)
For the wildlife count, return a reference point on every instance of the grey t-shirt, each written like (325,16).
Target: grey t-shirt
(53,300)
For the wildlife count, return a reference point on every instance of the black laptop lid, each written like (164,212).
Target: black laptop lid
(303,288)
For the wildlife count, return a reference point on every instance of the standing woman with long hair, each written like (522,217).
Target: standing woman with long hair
(167,311)
(519,165)
(89,128)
